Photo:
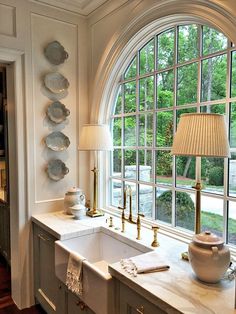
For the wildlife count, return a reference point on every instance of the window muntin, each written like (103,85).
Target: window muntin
(172,77)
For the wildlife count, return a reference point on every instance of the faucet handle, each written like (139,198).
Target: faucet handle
(141,215)
(155,243)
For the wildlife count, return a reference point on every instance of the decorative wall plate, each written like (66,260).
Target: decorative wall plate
(57,141)
(57,112)
(55,53)
(56,82)
(56,169)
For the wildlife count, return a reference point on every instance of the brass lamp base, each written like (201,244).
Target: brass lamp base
(94,213)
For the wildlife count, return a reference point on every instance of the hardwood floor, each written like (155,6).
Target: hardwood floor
(7,305)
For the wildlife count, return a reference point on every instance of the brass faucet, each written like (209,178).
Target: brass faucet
(128,192)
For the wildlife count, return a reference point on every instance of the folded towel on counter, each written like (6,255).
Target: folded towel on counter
(145,263)
(74,273)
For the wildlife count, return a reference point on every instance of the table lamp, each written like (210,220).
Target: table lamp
(200,134)
(95,137)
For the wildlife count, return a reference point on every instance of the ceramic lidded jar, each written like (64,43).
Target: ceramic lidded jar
(208,256)
(73,196)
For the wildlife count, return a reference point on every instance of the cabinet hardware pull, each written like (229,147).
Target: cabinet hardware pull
(42,237)
(81,304)
(140,309)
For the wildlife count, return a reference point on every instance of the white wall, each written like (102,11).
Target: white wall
(25,30)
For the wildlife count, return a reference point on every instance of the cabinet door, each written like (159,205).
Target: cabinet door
(133,303)
(76,306)
(5,231)
(46,283)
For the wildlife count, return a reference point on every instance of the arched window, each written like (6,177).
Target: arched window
(186,68)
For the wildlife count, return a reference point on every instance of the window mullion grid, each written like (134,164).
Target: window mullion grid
(226,160)
(154,213)
(175,126)
(122,141)
(137,129)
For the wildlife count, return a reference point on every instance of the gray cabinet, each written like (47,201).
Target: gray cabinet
(5,231)
(133,303)
(69,303)
(45,281)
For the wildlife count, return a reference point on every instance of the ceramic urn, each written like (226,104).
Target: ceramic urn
(73,196)
(209,257)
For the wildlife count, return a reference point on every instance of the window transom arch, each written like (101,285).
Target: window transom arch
(185,67)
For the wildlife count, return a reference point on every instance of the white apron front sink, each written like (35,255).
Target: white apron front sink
(101,247)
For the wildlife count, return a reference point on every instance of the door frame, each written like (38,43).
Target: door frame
(19,214)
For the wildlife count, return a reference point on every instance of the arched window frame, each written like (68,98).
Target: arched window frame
(116,62)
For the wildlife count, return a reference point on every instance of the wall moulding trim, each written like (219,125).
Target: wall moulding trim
(142,26)
(8,20)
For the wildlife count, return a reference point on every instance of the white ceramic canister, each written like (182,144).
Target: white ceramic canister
(73,196)
(208,256)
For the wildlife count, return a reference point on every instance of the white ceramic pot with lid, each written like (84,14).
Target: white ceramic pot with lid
(208,256)
(74,196)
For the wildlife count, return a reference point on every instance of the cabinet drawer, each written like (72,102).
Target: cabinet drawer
(133,303)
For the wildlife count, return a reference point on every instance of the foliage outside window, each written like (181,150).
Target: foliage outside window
(187,68)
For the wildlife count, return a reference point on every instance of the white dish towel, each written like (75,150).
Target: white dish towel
(144,263)
(74,275)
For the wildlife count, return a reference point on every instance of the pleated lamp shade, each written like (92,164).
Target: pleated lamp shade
(201,134)
(95,137)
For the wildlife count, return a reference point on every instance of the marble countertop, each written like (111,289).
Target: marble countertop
(178,287)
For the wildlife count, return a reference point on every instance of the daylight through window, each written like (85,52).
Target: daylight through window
(187,68)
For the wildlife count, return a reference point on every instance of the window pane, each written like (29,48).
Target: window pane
(117,162)
(130,97)
(165,46)
(130,164)
(187,84)
(116,193)
(117,127)
(232,175)
(214,108)
(233,75)
(131,71)
(232,223)
(233,125)
(185,210)
(164,163)
(146,56)
(164,205)
(185,171)
(212,214)
(145,200)
(130,131)
(213,40)
(164,128)
(145,165)
(165,89)
(146,129)
(188,47)
(212,172)
(214,78)
(146,93)
(118,102)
